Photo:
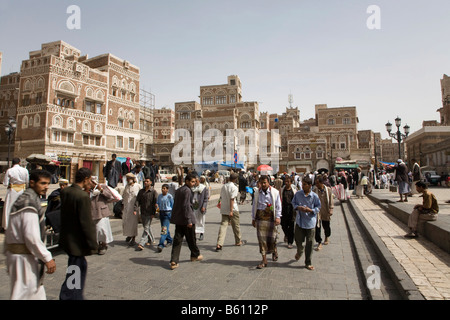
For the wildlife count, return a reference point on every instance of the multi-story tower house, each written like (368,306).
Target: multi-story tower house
(221,107)
(77,110)
(9,99)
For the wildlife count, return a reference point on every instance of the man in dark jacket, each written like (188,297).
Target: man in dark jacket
(184,219)
(113,171)
(146,200)
(78,237)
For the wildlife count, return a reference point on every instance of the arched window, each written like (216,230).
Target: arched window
(89,93)
(86,126)
(25,122)
(57,121)
(67,86)
(27,85)
(40,83)
(98,128)
(319,153)
(99,95)
(307,153)
(37,120)
(297,153)
(71,123)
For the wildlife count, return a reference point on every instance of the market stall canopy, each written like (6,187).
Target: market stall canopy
(39,159)
(346,166)
(230,164)
(265,167)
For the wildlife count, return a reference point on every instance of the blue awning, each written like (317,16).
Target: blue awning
(230,164)
(207,163)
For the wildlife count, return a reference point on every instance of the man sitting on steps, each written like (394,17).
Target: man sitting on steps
(427,211)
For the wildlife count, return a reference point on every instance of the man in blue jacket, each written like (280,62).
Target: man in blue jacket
(307,205)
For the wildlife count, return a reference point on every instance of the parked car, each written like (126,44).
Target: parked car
(432,177)
(165,175)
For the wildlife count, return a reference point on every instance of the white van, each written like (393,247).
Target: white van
(165,175)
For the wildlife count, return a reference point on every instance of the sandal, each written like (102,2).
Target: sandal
(218,248)
(243,242)
(275,256)
(261,265)
(310,267)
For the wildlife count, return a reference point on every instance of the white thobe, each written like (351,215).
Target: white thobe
(24,268)
(200,218)
(129,220)
(14,176)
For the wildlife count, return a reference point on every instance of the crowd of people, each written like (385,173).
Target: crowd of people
(301,203)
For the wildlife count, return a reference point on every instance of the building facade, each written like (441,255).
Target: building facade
(223,114)
(77,110)
(9,99)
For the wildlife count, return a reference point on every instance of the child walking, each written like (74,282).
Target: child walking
(164,205)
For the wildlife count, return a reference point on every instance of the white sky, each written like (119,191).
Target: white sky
(320,51)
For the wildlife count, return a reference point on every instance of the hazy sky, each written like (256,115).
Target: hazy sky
(320,51)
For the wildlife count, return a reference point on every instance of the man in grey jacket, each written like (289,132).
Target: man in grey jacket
(184,219)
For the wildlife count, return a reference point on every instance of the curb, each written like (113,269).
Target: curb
(362,259)
(403,282)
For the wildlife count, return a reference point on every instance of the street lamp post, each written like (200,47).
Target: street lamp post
(10,128)
(398,135)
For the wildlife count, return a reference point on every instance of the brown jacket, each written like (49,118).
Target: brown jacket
(326,202)
(99,204)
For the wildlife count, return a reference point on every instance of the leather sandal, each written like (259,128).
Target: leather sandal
(261,265)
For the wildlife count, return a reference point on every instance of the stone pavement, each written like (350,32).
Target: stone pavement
(125,274)
(425,263)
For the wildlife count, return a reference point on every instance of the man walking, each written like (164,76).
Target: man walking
(401,176)
(230,212)
(287,211)
(416,176)
(112,171)
(266,216)
(307,204)
(78,236)
(16,180)
(26,252)
(184,219)
(146,200)
(326,211)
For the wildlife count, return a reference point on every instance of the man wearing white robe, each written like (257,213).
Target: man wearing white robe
(16,180)
(23,242)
